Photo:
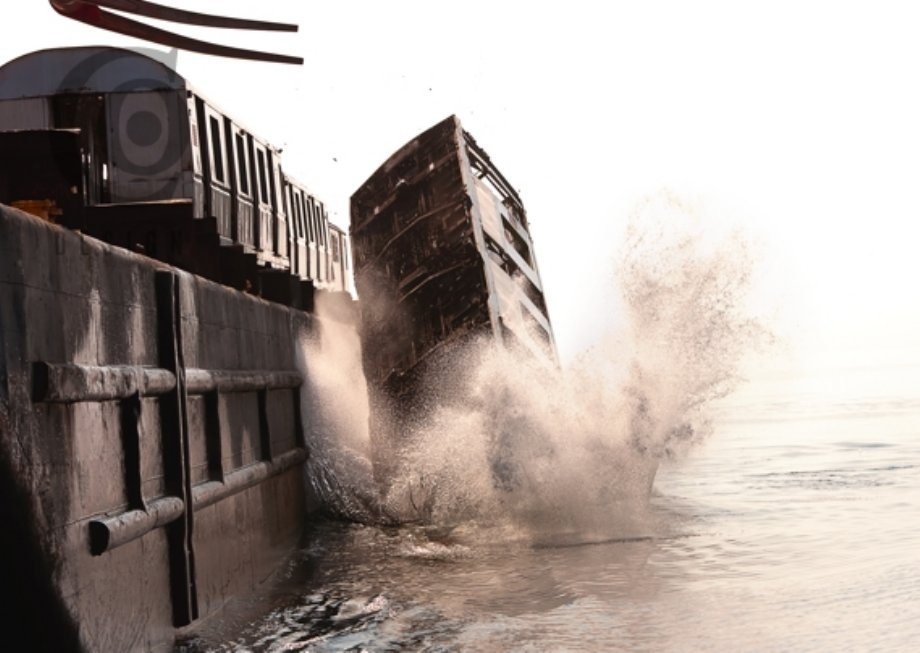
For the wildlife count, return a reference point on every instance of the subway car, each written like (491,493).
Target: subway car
(442,252)
(119,145)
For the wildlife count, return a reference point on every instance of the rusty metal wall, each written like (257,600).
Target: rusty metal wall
(152,429)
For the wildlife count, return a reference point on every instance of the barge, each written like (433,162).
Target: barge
(158,274)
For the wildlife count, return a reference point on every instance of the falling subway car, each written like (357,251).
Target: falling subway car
(442,253)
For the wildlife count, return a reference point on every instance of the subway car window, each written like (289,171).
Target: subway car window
(216,149)
(310,225)
(300,214)
(242,168)
(263,180)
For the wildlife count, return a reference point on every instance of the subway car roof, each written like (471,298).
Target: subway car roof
(90,69)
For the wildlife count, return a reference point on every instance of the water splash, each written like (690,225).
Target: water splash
(509,444)
(684,279)
(339,471)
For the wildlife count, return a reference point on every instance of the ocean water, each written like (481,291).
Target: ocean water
(794,527)
(520,514)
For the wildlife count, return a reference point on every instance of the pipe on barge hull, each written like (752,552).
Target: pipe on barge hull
(111,532)
(152,435)
(69,383)
(107,534)
(207,494)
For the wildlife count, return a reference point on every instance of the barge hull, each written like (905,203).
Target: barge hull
(151,441)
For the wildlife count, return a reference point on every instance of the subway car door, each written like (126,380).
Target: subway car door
(146,145)
(86,112)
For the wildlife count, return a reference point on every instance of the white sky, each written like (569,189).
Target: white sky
(799,120)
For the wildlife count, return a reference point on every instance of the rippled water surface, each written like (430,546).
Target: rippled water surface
(795,527)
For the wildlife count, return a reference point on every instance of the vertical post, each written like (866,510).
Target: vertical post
(175,450)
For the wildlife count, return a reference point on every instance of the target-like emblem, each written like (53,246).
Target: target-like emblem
(143,123)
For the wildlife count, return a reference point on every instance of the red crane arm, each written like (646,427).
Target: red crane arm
(89,12)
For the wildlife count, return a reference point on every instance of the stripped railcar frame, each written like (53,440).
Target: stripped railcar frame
(442,251)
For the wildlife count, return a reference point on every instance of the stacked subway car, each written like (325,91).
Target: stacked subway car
(141,159)
(443,253)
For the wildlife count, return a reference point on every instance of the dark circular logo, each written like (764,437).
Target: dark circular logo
(144,128)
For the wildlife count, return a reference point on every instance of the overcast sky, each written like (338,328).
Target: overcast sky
(799,121)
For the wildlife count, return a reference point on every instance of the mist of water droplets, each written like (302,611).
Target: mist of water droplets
(506,441)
